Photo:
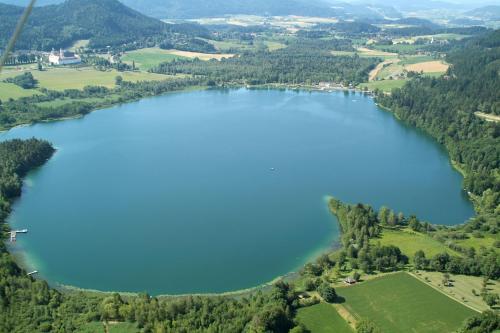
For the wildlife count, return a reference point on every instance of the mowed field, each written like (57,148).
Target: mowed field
(461,288)
(323,318)
(10,90)
(410,242)
(428,67)
(401,303)
(148,58)
(384,85)
(72,78)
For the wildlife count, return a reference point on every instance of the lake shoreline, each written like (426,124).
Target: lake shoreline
(277,86)
(229,293)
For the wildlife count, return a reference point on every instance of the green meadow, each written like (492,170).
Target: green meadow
(410,242)
(323,318)
(146,59)
(401,303)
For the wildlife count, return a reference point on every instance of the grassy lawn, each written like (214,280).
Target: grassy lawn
(402,303)
(462,287)
(323,318)
(146,59)
(476,243)
(230,45)
(273,46)
(384,85)
(398,48)
(10,90)
(410,242)
(409,60)
(62,78)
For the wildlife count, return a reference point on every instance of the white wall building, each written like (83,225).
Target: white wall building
(63,58)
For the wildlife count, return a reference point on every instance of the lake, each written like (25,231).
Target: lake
(218,190)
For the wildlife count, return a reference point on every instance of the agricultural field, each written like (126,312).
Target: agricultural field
(401,303)
(201,56)
(323,318)
(435,66)
(383,85)
(62,78)
(10,90)
(145,59)
(227,46)
(410,242)
(462,287)
(398,48)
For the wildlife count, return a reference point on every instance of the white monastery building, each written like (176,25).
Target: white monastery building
(63,58)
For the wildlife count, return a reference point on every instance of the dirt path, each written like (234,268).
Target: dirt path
(346,315)
(488,117)
(373,74)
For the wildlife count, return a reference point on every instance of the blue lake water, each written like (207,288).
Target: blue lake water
(218,190)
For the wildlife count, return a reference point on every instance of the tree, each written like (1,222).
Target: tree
(419,260)
(327,292)
(119,80)
(367,326)
(491,299)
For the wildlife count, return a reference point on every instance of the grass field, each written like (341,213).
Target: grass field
(428,67)
(323,318)
(384,85)
(401,303)
(476,243)
(146,59)
(462,287)
(410,242)
(10,90)
(398,48)
(77,78)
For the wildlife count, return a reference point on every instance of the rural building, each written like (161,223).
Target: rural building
(63,58)
(349,280)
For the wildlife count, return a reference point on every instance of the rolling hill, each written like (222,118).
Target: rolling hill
(103,22)
(186,9)
(487,12)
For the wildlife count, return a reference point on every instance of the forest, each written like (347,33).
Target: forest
(303,61)
(445,108)
(102,22)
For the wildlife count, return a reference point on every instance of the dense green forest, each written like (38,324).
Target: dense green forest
(103,22)
(303,61)
(445,108)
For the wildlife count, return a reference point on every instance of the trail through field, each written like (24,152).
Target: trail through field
(488,117)
(373,74)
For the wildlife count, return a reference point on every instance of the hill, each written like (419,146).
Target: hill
(487,12)
(187,9)
(103,22)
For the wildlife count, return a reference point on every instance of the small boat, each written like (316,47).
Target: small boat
(32,273)
(272,169)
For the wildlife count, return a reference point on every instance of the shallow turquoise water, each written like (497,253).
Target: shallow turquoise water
(218,190)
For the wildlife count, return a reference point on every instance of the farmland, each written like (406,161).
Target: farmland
(323,318)
(401,303)
(71,78)
(384,85)
(146,59)
(410,242)
(461,288)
